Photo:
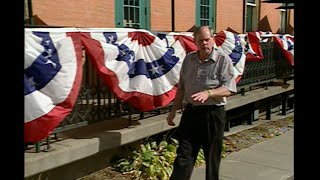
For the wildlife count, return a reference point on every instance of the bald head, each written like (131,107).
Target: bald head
(201,30)
(204,41)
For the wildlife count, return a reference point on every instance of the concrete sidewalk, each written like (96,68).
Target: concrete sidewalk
(269,160)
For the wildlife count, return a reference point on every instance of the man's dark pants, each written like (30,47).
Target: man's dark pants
(200,126)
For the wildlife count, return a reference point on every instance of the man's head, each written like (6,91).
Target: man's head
(203,39)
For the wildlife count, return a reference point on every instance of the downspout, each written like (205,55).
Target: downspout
(286,20)
(172,16)
(30,12)
(289,17)
(244,16)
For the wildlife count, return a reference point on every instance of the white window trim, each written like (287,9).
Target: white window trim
(251,4)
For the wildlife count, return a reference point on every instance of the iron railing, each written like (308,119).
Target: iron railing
(273,66)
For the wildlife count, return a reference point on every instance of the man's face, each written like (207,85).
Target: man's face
(204,41)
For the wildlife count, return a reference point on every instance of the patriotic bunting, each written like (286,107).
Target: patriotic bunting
(140,68)
(52,78)
(286,43)
(135,65)
(230,44)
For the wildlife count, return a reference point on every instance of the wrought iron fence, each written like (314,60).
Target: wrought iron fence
(273,66)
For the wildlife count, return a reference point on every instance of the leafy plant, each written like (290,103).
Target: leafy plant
(200,158)
(152,161)
(224,149)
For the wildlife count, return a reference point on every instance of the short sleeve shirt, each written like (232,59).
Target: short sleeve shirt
(214,72)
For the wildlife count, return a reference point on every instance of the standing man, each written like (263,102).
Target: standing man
(206,79)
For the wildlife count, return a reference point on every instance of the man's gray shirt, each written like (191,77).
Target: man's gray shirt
(214,72)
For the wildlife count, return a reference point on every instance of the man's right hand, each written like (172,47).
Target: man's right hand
(170,118)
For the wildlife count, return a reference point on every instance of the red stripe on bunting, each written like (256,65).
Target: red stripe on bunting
(42,127)
(143,38)
(256,47)
(286,53)
(220,38)
(186,42)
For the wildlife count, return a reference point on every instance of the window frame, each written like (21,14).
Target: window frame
(253,15)
(144,14)
(212,13)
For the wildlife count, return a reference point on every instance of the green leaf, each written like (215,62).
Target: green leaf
(166,154)
(148,146)
(162,158)
(163,174)
(166,164)
(151,170)
(147,155)
(125,163)
(173,154)
(147,164)
(143,148)
(154,145)
(171,148)
(163,143)
(175,141)
(168,170)
(122,159)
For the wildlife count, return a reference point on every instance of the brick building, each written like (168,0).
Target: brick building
(163,15)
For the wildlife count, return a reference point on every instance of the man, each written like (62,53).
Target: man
(206,79)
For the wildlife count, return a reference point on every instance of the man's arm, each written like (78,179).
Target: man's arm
(217,92)
(177,104)
(221,91)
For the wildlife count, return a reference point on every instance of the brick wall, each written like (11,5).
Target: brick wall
(291,20)
(160,12)
(101,13)
(229,14)
(185,14)
(76,13)
(270,17)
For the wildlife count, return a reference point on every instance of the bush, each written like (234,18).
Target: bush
(153,161)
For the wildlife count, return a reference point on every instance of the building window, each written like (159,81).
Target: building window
(204,13)
(251,18)
(132,14)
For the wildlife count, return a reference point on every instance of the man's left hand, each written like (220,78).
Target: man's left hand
(200,96)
